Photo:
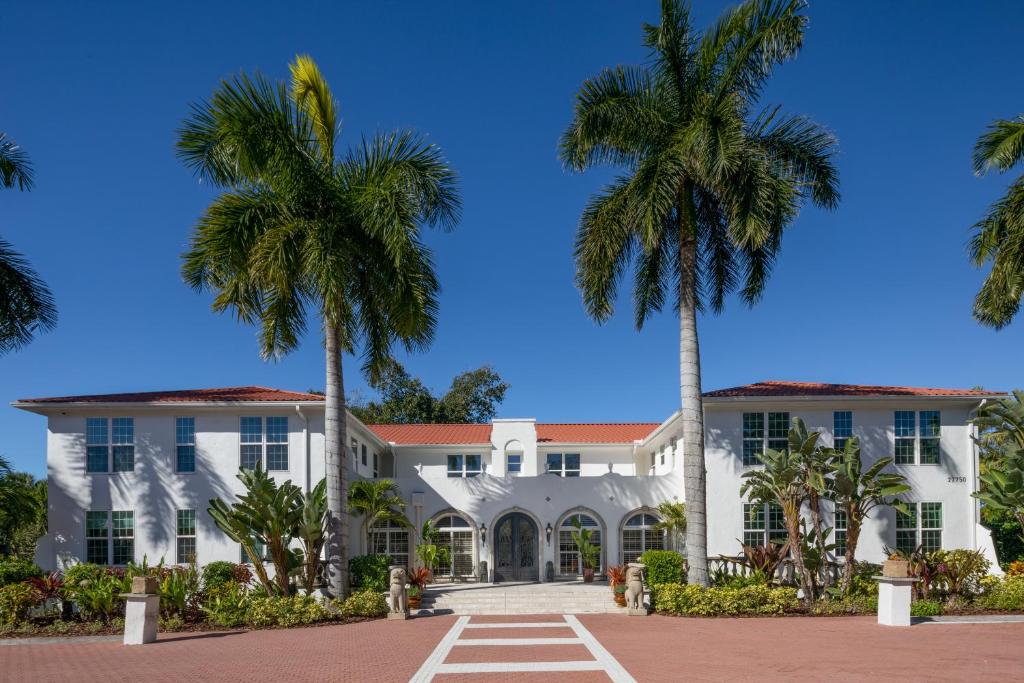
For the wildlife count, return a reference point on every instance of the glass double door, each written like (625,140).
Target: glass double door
(515,549)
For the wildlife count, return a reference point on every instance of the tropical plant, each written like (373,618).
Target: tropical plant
(589,552)
(663,566)
(960,571)
(1000,439)
(218,573)
(312,532)
(377,501)
(370,571)
(1000,424)
(616,575)
(22,512)
(709,186)
(999,236)
(16,570)
(48,586)
(364,603)
(298,227)
(26,304)
(15,601)
(764,560)
(419,577)
(227,604)
(857,492)
(179,590)
(1002,487)
(700,601)
(673,522)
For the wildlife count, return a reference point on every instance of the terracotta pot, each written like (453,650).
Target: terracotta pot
(620,599)
(896,569)
(414,601)
(588,576)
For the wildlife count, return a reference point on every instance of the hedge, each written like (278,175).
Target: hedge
(694,600)
(663,566)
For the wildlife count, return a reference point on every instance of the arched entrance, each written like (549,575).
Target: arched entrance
(515,549)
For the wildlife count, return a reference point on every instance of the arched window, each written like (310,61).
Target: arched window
(455,535)
(569,563)
(639,534)
(391,539)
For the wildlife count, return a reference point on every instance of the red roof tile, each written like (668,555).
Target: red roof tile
(433,434)
(775,388)
(221,395)
(612,432)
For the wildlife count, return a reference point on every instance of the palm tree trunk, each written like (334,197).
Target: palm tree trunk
(814,503)
(852,536)
(336,466)
(694,474)
(793,530)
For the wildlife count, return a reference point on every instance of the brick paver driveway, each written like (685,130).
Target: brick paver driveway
(650,649)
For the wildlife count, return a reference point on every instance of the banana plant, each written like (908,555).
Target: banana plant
(312,532)
(1002,487)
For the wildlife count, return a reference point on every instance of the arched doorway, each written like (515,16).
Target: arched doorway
(515,549)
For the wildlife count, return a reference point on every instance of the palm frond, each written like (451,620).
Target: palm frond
(1000,147)
(15,166)
(313,96)
(27,306)
(802,150)
(999,239)
(605,242)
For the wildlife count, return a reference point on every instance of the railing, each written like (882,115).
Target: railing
(785,574)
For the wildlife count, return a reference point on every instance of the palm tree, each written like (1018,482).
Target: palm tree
(1000,426)
(299,227)
(377,501)
(857,492)
(999,236)
(673,521)
(26,306)
(709,186)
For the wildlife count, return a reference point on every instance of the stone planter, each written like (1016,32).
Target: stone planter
(415,600)
(588,575)
(896,569)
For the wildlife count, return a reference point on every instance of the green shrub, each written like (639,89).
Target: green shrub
(15,601)
(663,566)
(364,603)
(370,571)
(285,610)
(960,571)
(226,605)
(216,574)
(1007,594)
(675,598)
(15,571)
(94,590)
(925,608)
(850,604)
(179,591)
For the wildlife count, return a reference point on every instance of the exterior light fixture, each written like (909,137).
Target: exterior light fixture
(548,531)
(483,534)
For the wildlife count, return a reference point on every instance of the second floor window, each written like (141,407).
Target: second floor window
(564,464)
(754,433)
(110,444)
(376,465)
(460,465)
(514,465)
(264,448)
(842,428)
(763,524)
(185,444)
(912,445)
(364,455)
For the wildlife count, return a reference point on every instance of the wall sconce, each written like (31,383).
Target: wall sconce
(483,534)
(548,530)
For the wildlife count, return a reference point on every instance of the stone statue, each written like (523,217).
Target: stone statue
(399,598)
(635,588)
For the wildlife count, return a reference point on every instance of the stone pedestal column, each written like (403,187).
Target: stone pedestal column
(894,595)
(141,611)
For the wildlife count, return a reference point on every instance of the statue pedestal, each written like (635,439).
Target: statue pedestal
(642,612)
(398,615)
(894,600)
(141,613)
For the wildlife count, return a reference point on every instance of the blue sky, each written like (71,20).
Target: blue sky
(878,291)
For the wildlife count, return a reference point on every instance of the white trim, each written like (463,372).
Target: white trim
(611,666)
(501,642)
(433,663)
(508,667)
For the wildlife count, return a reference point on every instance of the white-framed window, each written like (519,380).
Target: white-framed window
(364,454)
(355,453)
(921,526)
(763,524)
(376,465)
(839,523)
(264,448)
(756,437)
(391,539)
(639,535)
(842,428)
(514,464)
(185,444)
(110,537)
(109,444)
(456,534)
(463,465)
(912,445)
(185,536)
(564,464)
(569,561)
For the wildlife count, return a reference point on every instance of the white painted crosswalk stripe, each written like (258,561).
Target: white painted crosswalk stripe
(520,641)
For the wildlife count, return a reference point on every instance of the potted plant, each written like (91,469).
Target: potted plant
(896,567)
(620,594)
(617,577)
(415,595)
(587,550)
(418,580)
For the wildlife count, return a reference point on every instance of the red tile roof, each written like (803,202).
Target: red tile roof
(775,388)
(612,432)
(436,434)
(221,395)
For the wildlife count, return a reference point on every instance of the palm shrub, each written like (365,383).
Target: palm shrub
(960,571)
(673,522)
(378,500)
(1001,437)
(710,182)
(589,553)
(311,531)
(299,228)
(764,560)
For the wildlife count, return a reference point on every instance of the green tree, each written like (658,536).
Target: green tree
(1000,425)
(298,227)
(709,186)
(857,492)
(673,521)
(999,236)
(26,304)
(474,397)
(22,512)
(312,532)
(378,500)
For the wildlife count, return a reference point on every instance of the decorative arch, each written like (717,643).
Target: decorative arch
(456,533)
(492,541)
(637,535)
(567,563)
(391,539)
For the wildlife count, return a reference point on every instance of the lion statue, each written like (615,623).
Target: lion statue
(635,586)
(399,599)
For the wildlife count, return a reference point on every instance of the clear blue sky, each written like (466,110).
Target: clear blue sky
(879,291)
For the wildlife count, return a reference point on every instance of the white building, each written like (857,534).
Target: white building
(130,475)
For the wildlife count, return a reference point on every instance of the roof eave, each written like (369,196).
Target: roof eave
(843,397)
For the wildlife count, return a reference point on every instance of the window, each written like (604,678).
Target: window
(185,444)
(186,535)
(355,454)
(569,561)
(567,465)
(778,431)
(753,438)
(364,455)
(763,524)
(927,448)
(842,428)
(391,539)
(839,532)
(110,537)
(906,529)
(376,465)
(463,465)
(931,526)
(110,444)
(639,535)
(922,526)
(456,535)
(97,538)
(264,449)
(514,464)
